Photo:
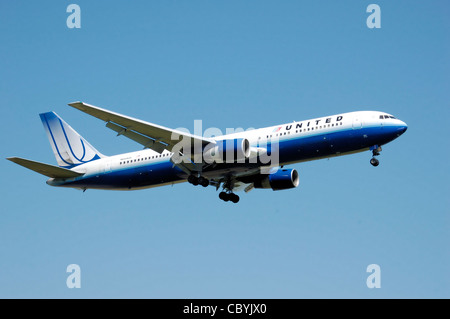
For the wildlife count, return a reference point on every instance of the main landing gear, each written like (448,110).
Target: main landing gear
(375,152)
(225,195)
(229,196)
(194,180)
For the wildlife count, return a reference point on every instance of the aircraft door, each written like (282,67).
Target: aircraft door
(108,166)
(357,123)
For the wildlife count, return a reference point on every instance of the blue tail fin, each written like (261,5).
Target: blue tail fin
(69,147)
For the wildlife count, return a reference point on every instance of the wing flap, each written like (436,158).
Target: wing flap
(45,169)
(141,139)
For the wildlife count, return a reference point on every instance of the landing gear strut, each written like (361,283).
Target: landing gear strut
(375,152)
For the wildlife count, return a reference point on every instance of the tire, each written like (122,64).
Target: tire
(374,162)
(203,181)
(192,179)
(223,196)
(234,198)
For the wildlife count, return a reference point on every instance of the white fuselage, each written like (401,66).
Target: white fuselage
(296,141)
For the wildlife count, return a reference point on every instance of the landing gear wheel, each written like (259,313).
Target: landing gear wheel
(234,198)
(193,180)
(203,181)
(374,162)
(224,196)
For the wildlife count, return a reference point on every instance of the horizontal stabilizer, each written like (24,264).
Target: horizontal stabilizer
(45,169)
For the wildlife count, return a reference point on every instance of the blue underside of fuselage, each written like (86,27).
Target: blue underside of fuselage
(292,148)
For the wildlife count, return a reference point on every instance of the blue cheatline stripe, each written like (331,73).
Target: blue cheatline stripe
(151,174)
(343,141)
(138,176)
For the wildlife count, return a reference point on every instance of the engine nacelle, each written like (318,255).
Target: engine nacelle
(227,151)
(281,179)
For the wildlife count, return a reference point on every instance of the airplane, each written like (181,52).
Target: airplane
(234,162)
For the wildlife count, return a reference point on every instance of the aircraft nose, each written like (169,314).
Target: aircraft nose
(402,128)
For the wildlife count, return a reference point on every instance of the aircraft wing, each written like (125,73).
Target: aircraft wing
(153,136)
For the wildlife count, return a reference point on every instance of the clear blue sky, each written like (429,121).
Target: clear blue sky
(230,64)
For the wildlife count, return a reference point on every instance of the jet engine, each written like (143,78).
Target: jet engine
(227,151)
(281,179)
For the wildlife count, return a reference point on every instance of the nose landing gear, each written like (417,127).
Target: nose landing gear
(375,152)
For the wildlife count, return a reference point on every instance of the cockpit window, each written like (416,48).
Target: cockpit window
(382,117)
